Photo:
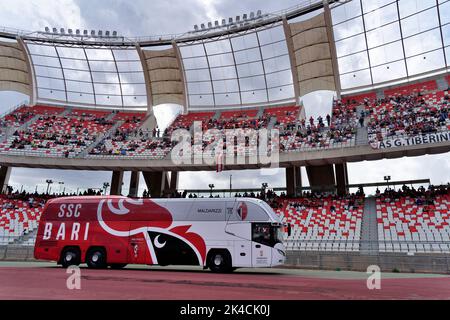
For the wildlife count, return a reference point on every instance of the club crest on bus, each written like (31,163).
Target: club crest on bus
(242,210)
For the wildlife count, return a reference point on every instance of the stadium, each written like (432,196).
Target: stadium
(193,114)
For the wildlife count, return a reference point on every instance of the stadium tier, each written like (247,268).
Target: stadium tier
(404,112)
(19,218)
(326,224)
(408,224)
(409,221)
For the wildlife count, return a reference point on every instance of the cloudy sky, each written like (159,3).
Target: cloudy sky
(142,18)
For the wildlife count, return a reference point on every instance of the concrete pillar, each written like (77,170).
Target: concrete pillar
(321,178)
(293,181)
(5,174)
(116,183)
(156,183)
(134,183)
(174,181)
(341,178)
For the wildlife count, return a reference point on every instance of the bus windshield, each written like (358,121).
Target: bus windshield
(267,234)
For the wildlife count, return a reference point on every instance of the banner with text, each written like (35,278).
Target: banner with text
(411,141)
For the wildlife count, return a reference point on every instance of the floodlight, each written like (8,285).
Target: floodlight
(224,22)
(196,27)
(244,16)
(85,32)
(78,32)
(62,30)
(230,20)
(47,29)
(107,33)
(252,15)
(258,13)
(100,33)
(114,33)
(238,18)
(70,31)
(216,23)
(202,26)
(93,33)
(209,25)
(55,30)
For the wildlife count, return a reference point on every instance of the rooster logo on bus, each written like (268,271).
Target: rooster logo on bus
(166,243)
(242,211)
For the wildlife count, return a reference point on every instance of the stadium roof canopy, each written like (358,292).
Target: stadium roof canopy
(99,76)
(347,46)
(385,40)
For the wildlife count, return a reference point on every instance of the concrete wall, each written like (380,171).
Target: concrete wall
(423,263)
(16,253)
(420,263)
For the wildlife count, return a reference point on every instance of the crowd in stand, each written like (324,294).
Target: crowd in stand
(50,131)
(243,122)
(408,115)
(421,195)
(300,202)
(339,128)
(16,118)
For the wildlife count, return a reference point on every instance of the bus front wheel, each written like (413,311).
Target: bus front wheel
(220,262)
(96,258)
(70,257)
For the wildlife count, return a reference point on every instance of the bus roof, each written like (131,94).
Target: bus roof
(164,201)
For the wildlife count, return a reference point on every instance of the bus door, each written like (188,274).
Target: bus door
(261,240)
(138,251)
(241,235)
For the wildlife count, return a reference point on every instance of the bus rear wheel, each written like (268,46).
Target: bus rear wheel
(96,258)
(220,262)
(70,257)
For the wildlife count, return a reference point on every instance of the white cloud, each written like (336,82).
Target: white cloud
(36,15)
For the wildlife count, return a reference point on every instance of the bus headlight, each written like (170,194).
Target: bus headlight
(281,252)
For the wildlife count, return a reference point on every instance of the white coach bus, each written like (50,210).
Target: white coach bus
(220,234)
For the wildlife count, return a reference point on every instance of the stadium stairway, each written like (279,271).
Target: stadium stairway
(99,139)
(362,136)
(27,239)
(260,112)
(65,112)
(271,123)
(442,84)
(217,115)
(369,228)
(380,94)
(110,116)
(23,127)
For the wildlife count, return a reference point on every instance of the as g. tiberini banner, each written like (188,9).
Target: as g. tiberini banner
(412,141)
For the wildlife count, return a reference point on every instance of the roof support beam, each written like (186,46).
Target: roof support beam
(290,47)
(90,72)
(62,72)
(264,69)
(31,72)
(148,84)
(118,77)
(334,60)
(183,76)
